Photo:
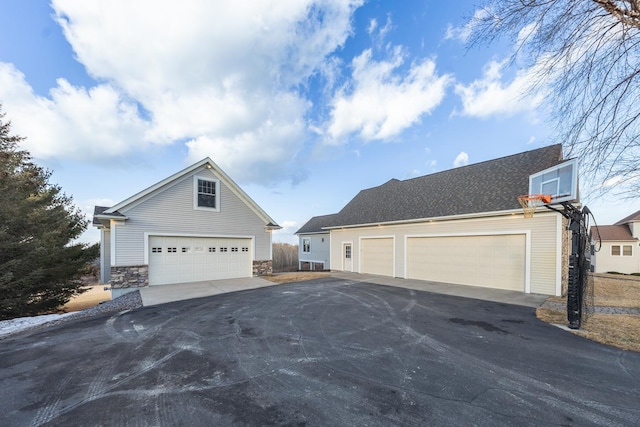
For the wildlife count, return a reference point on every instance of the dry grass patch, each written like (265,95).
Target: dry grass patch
(617,330)
(610,290)
(296,276)
(94,296)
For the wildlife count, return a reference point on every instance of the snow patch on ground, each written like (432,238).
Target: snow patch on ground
(9,327)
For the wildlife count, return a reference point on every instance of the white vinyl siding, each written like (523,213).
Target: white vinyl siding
(319,249)
(172,211)
(543,256)
(612,258)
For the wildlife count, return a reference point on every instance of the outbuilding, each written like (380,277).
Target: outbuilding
(463,226)
(196,225)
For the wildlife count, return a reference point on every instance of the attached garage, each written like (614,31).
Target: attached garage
(494,261)
(377,256)
(193,259)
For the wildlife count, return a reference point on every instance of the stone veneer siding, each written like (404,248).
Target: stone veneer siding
(131,276)
(263,268)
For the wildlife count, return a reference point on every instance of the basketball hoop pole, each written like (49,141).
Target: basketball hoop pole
(577,273)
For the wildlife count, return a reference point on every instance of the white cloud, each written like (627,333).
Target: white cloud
(72,122)
(462,159)
(382,102)
(285,235)
(268,149)
(222,76)
(463,33)
(490,96)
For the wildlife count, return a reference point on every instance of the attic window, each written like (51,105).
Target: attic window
(206,194)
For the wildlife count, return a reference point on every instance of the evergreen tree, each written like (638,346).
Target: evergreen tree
(40,265)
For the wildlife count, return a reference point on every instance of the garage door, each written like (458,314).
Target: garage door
(377,256)
(496,261)
(195,259)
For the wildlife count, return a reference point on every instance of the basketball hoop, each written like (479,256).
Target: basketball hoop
(531,202)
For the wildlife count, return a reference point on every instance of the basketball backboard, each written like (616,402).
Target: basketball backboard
(560,181)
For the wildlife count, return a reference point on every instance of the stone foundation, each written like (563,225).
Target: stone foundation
(263,268)
(131,276)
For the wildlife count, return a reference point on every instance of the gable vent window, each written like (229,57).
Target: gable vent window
(206,194)
(156,250)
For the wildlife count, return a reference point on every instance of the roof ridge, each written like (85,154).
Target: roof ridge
(484,161)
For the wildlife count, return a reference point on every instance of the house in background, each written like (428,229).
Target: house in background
(462,226)
(620,249)
(196,225)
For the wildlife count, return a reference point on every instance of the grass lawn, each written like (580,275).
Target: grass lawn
(618,330)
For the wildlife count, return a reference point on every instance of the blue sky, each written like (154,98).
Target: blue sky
(303,103)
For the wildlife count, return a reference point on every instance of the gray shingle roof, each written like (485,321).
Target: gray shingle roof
(315,224)
(99,210)
(493,185)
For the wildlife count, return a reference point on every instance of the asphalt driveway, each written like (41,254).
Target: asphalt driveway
(324,352)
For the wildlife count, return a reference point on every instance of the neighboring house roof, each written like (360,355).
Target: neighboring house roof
(612,233)
(633,217)
(489,186)
(112,212)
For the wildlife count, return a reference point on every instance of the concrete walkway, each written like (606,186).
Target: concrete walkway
(161,294)
(476,292)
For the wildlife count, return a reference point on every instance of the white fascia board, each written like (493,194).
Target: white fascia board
(511,212)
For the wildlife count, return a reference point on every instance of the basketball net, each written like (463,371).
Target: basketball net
(531,202)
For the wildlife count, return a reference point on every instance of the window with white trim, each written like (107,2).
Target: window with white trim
(206,193)
(306,246)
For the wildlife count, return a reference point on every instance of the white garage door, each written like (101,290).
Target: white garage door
(195,259)
(496,261)
(377,256)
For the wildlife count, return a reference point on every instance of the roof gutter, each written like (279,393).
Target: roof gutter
(511,212)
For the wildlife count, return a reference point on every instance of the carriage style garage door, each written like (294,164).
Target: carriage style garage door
(496,261)
(376,256)
(195,259)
